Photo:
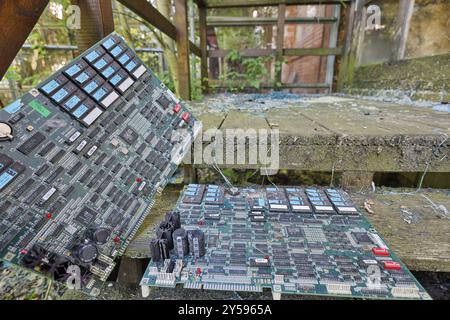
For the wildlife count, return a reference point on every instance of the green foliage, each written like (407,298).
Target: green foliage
(245,72)
(196,88)
(166,79)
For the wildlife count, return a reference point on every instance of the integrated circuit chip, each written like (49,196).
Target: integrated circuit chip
(85,216)
(129,135)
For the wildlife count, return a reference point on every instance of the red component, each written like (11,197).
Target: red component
(177,108)
(381,252)
(23,251)
(138,180)
(267,257)
(392,265)
(117,239)
(199,271)
(185,117)
(201,222)
(49,215)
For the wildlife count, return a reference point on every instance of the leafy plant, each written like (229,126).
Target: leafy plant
(246,72)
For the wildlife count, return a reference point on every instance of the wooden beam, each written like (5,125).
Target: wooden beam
(200,3)
(224,84)
(17,20)
(203,48)
(194,49)
(220,53)
(96,22)
(150,14)
(333,42)
(260,21)
(312,52)
(257,3)
(280,43)
(287,52)
(182,39)
(404,17)
(106,17)
(304,85)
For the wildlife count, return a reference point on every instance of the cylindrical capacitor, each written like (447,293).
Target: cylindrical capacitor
(154,250)
(180,242)
(165,231)
(164,248)
(98,235)
(174,218)
(197,243)
(85,252)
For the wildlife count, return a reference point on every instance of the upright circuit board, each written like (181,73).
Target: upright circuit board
(292,240)
(81,159)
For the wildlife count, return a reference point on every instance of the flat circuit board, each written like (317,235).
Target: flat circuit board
(292,240)
(81,159)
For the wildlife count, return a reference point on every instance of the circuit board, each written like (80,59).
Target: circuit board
(81,158)
(292,240)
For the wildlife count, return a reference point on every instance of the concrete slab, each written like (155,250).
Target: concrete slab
(345,133)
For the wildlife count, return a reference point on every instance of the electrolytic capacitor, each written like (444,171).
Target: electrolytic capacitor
(165,231)
(164,248)
(155,255)
(174,218)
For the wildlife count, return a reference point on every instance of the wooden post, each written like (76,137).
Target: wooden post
(181,24)
(96,22)
(354,31)
(280,43)
(203,47)
(333,44)
(17,20)
(404,17)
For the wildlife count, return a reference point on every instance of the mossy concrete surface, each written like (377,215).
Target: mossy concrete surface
(426,78)
(344,133)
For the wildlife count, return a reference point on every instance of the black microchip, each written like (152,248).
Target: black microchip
(41,170)
(129,135)
(163,101)
(68,191)
(49,147)
(361,237)
(28,146)
(23,188)
(54,175)
(16,118)
(57,156)
(86,176)
(94,132)
(75,168)
(85,216)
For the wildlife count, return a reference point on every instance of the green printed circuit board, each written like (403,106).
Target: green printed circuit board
(290,240)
